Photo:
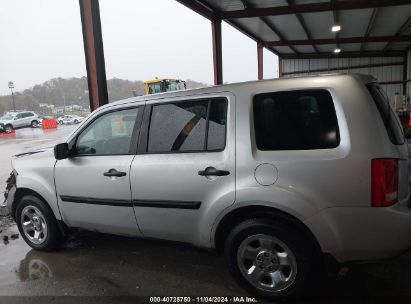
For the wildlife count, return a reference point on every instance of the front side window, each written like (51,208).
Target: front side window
(188,126)
(109,134)
(295,120)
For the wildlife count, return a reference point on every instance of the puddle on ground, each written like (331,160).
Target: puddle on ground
(12,252)
(92,263)
(19,262)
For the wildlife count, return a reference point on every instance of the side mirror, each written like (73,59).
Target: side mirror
(61,151)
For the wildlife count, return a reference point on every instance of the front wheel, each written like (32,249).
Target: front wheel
(34,124)
(270,259)
(8,129)
(37,224)
(61,122)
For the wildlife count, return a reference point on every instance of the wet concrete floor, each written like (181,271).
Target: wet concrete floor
(92,264)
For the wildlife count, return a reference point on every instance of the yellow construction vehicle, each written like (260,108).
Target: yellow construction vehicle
(164,85)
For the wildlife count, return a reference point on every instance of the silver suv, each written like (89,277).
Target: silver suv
(276,174)
(17,120)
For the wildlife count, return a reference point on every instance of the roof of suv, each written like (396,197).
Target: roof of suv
(227,87)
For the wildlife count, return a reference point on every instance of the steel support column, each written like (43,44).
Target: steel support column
(404,74)
(217,51)
(94,53)
(280,67)
(260,61)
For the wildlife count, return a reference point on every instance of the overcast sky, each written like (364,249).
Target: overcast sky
(142,39)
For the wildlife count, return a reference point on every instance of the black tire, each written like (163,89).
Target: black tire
(8,129)
(61,122)
(306,257)
(76,121)
(34,124)
(53,237)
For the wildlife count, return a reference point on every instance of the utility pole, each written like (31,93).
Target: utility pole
(11,86)
(64,96)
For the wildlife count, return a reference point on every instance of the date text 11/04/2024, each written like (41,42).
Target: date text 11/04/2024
(203,300)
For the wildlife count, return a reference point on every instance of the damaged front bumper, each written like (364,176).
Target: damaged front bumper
(7,200)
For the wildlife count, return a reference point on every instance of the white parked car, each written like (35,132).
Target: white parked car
(69,119)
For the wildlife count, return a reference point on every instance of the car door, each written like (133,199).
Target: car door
(18,120)
(28,117)
(93,185)
(184,172)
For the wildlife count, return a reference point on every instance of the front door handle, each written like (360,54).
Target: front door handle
(114,172)
(211,171)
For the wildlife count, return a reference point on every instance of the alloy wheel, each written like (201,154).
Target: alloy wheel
(34,224)
(267,263)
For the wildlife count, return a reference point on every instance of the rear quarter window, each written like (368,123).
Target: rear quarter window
(388,116)
(295,120)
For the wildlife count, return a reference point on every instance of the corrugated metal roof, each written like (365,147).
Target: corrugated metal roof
(291,22)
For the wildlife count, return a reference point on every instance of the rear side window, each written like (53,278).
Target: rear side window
(392,125)
(188,126)
(295,120)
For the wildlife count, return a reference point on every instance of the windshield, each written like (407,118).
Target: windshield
(171,86)
(6,117)
(154,88)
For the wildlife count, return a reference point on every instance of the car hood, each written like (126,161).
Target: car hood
(33,167)
(36,159)
(46,150)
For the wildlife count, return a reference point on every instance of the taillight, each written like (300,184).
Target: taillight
(384,182)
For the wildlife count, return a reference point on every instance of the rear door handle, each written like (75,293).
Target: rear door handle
(211,171)
(114,172)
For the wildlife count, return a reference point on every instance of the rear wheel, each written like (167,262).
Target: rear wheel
(34,124)
(76,121)
(271,259)
(61,122)
(37,224)
(8,129)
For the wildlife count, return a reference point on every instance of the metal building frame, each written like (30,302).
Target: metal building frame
(93,44)
(94,53)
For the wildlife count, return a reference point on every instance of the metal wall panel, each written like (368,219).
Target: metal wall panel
(334,65)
